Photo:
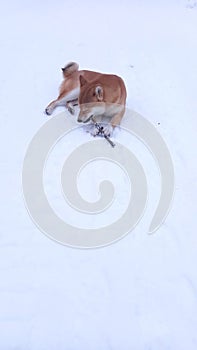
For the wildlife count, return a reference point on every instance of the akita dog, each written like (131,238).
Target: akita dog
(98,95)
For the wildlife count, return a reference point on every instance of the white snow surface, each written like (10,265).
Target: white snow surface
(139,293)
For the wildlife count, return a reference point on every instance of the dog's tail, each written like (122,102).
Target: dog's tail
(70,68)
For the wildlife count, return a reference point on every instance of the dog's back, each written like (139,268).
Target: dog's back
(71,74)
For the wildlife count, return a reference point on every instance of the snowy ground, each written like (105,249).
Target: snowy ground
(141,292)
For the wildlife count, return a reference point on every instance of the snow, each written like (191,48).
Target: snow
(141,292)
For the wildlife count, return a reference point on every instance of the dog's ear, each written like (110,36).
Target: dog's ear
(82,80)
(99,93)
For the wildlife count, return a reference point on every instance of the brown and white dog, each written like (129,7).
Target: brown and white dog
(98,95)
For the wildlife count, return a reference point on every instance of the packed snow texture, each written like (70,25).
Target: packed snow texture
(139,293)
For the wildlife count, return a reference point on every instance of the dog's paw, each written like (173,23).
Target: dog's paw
(48,111)
(71,110)
(108,130)
(94,131)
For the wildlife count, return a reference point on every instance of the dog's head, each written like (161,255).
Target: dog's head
(91,100)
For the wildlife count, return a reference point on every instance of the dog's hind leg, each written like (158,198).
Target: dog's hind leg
(52,105)
(64,100)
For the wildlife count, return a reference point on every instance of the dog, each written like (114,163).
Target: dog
(98,95)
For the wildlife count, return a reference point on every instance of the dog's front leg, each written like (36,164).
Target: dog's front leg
(108,130)
(115,121)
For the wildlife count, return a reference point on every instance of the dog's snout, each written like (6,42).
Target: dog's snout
(63,69)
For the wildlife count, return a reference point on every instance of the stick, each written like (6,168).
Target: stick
(110,141)
(100,129)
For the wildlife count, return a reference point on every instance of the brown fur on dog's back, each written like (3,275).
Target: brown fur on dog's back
(114,89)
(71,80)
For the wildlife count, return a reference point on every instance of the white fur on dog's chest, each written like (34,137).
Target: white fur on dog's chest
(112,109)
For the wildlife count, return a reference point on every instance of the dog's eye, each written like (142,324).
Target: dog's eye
(94,94)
